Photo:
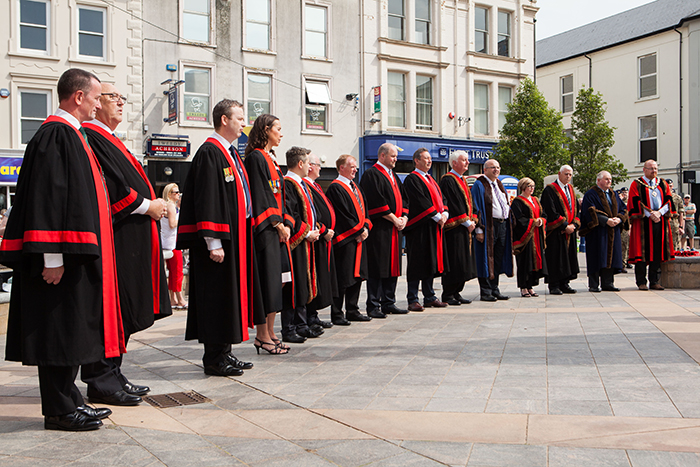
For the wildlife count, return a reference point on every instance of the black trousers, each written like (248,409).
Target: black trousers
(59,394)
(451,290)
(490,286)
(640,268)
(349,295)
(215,353)
(104,377)
(604,277)
(381,293)
(293,320)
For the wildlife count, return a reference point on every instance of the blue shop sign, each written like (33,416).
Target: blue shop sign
(9,169)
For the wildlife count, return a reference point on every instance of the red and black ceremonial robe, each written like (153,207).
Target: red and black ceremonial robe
(425,244)
(143,291)
(300,207)
(528,240)
(325,259)
(351,220)
(643,239)
(562,251)
(213,205)
(62,206)
(385,195)
(458,240)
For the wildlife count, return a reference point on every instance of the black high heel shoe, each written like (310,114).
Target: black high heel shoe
(274,351)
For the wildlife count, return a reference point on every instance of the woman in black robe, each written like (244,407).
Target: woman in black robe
(529,224)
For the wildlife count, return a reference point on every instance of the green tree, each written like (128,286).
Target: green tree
(532,141)
(592,138)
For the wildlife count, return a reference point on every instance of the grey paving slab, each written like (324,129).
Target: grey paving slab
(645,409)
(359,452)
(507,455)
(595,408)
(574,393)
(251,451)
(665,459)
(517,406)
(584,457)
(447,453)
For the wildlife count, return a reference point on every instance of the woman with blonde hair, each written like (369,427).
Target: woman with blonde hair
(168,235)
(529,224)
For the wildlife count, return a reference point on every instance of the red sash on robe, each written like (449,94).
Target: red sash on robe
(436,197)
(317,188)
(360,210)
(398,212)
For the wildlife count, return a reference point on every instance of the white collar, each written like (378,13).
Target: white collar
(294,176)
(388,170)
(458,175)
(70,118)
(425,174)
(102,125)
(563,187)
(344,180)
(649,182)
(224,142)
(310,180)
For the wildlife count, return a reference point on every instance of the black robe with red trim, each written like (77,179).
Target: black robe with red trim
(325,258)
(299,207)
(528,241)
(425,241)
(221,297)
(561,252)
(603,243)
(350,220)
(641,231)
(458,241)
(143,288)
(273,257)
(384,245)
(61,206)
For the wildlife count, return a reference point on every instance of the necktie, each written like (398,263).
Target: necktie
(655,198)
(568,195)
(607,193)
(497,194)
(311,203)
(82,132)
(249,210)
(357,195)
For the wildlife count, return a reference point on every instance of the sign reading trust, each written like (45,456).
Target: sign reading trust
(9,169)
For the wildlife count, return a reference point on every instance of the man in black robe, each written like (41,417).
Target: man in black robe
(64,308)
(216,226)
(352,229)
(458,230)
(425,242)
(323,250)
(387,205)
(303,235)
(143,291)
(561,210)
(602,216)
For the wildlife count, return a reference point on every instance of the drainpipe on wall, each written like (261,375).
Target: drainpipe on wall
(680,105)
(590,71)
(534,49)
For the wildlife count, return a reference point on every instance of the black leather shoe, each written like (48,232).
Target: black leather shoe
(594,289)
(555,292)
(567,289)
(463,300)
(376,314)
(223,368)
(357,317)
(236,363)
(341,322)
(394,310)
(316,328)
(293,338)
(136,390)
(500,296)
(611,289)
(452,301)
(324,324)
(488,298)
(94,412)
(118,398)
(75,421)
(309,333)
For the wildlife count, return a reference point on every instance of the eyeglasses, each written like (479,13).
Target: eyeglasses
(175,192)
(114,97)
(315,164)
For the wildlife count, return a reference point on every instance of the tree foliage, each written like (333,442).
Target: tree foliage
(593,137)
(532,141)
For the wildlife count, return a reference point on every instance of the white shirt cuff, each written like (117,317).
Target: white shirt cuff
(663,210)
(143,209)
(437,217)
(478,230)
(53,260)
(467,223)
(212,243)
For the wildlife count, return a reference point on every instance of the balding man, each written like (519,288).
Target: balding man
(603,215)
(143,291)
(387,205)
(650,207)
(559,203)
(64,310)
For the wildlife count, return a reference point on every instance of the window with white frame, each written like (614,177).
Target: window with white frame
(318,100)
(647,138)
(481,109)
(422,21)
(647,76)
(567,94)
(197,94)
(92,24)
(397,20)
(505,96)
(424,102)
(396,100)
(34,20)
(316,28)
(34,107)
(481,30)
(504,34)
(196,21)
(257,14)
(259,99)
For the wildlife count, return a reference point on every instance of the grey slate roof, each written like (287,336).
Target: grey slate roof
(632,24)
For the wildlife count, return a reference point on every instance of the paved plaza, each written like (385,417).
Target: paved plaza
(608,379)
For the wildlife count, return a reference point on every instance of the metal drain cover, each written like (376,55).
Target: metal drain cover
(175,399)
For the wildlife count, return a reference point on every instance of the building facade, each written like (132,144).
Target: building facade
(646,64)
(443,73)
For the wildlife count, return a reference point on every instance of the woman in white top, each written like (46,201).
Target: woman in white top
(168,235)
